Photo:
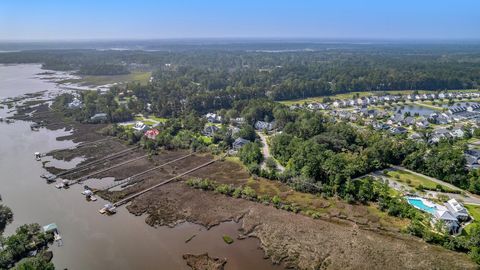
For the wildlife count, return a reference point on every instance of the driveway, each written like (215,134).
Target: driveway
(467,198)
(266,151)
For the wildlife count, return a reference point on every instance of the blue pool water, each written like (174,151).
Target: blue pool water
(419,204)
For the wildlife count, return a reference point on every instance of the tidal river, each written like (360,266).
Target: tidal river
(93,241)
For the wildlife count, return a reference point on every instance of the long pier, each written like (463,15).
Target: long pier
(133,196)
(130,179)
(85,166)
(83,178)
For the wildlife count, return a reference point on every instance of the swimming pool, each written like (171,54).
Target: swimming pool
(420,204)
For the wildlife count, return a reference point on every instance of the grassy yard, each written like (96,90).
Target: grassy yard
(150,120)
(474,211)
(415,181)
(140,77)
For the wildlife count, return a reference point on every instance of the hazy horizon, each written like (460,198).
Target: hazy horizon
(89,20)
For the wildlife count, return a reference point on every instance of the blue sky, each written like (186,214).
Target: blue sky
(145,19)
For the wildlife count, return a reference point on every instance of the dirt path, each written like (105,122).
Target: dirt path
(266,151)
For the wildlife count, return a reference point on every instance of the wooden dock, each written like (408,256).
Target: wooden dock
(131,179)
(133,196)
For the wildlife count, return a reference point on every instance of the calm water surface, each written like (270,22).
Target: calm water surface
(93,241)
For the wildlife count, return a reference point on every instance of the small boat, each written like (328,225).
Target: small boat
(108,209)
(35,127)
(59,185)
(38,156)
(89,195)
(49,177)
(53,229)
(57,236)
(66,183)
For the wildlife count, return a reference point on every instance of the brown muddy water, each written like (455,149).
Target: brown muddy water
(93,241)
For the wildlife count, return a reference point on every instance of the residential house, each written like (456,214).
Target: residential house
(75,104)
(398,130)
(380,126)
(99,117)
(471,162)
(422,123)
(233,130)
(140,126)
(455,110)
(458,211)
(239,143)
(416,136)
(457,133)
(396,119)
(449,220)
(213,118)
(438,134)
(239,120)
(409,121)
(262,125)
(317,106)
(152,134)
(210,130)
(473,107)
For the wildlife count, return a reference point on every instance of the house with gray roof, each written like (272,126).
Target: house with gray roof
(262,125)
(239,143)
(457,210)
(99,117)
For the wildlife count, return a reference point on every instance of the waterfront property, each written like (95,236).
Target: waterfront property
(452,213)
(239,143)
(140,126)
(99,117)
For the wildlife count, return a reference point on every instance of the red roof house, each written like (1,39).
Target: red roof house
(152,133)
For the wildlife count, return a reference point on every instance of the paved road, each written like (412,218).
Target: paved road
(468,198)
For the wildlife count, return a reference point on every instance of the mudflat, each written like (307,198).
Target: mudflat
(294,240)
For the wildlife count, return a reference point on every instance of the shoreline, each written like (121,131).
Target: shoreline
(176,203)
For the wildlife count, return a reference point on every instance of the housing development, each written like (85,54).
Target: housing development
(225,135)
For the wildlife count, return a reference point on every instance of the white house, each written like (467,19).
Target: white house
(261,125)
(213,118)
(75,104)
(140,126)
(457,133)
(473,107)
(457,209)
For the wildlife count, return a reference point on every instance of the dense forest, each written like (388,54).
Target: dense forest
(206,77)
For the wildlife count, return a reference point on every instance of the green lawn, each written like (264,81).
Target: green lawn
(415,181)
(158,119)
(139,77)
(474,211)
(205,139)
(150,120)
